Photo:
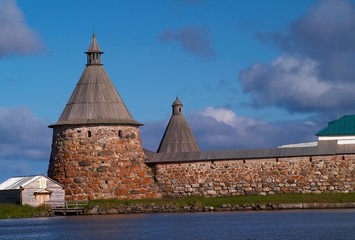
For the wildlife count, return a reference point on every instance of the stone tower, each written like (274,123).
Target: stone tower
(96,148)
(178,136)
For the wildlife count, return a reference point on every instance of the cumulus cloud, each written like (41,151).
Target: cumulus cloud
(25,143)
(295,84)
(194,40)
(221,128)
(16,37)
(315,71)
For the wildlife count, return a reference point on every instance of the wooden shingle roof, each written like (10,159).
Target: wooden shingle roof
(178,136)
(94,99)
(323,148)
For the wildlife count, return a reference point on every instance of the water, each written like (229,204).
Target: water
(310,224)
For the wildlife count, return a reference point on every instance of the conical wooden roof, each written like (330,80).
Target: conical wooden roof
(178,136)
(95,100)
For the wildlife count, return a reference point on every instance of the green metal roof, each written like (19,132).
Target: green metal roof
(343,126)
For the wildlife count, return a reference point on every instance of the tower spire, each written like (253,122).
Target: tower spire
(178,136)
(95,100)
(94,52)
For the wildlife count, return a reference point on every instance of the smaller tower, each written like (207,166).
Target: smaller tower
(178,136)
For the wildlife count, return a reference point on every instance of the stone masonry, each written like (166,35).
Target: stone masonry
(257,177)
(101,162)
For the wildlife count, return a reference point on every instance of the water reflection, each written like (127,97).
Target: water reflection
(317,224)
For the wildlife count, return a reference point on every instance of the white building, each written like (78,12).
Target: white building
(31,190)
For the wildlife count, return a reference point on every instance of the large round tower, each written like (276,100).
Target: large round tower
(96,148)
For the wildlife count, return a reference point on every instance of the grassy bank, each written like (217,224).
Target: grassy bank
(22,211)
(218,201)
(19,211)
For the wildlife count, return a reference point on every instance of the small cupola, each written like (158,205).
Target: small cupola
(94,53)
(177,107)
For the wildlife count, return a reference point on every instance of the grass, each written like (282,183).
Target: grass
(24,211)
(219,201)
(8,210)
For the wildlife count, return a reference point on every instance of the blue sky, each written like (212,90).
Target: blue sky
(251,74)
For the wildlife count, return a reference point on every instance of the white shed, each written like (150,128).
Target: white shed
(31,190)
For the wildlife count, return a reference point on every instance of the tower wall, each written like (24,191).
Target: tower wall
(100,162)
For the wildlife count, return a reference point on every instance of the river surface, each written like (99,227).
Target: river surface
(308,224)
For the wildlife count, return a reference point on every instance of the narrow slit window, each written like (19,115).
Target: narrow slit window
(120,134)
(89,133)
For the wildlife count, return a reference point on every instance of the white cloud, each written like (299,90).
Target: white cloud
(221,115)
(294,84)
(16,37)
(315,72)
(221,128)
(25,142)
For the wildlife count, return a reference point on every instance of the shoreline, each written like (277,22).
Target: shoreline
(148,209)
(170,208)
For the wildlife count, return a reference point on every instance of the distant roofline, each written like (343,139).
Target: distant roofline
(323,148)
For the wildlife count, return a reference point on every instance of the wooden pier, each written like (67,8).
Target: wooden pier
(67,207)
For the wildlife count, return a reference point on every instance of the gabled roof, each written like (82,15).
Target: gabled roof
(95,100)
(178,136)
(18,182)
(344,126)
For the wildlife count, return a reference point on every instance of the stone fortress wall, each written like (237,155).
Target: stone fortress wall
(317,174)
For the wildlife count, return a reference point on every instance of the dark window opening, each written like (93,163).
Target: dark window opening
(120,134)
(89,133)
(106,181)
(179,109)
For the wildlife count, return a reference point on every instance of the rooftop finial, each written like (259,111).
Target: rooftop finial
(93,32)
